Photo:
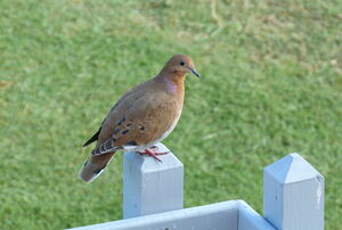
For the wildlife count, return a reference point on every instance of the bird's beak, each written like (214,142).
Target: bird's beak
(194,72)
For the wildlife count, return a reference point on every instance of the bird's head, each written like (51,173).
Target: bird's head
(180,65)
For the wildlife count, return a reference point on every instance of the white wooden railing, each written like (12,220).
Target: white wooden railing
(153,199)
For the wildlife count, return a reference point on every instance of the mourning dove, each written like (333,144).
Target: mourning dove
(141,118)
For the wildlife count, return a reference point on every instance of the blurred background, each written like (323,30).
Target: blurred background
(272,85)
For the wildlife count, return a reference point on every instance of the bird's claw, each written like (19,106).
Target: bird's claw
(152,153)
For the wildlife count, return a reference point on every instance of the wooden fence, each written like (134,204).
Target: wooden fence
(153,199)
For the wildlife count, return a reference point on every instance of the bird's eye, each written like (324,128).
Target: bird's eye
(182,63)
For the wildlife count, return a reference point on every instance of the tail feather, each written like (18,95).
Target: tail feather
(94,166)
(93,138)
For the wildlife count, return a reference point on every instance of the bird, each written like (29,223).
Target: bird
(141,118)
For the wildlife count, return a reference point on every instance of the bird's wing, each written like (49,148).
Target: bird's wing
(118,103)
(140,117)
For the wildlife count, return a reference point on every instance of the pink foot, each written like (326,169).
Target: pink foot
(152,153)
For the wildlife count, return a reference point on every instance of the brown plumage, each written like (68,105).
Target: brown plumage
(141,118)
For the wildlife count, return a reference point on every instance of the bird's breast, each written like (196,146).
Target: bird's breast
(169,129)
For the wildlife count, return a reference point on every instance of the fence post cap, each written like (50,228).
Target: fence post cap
(291,169)
(149,164)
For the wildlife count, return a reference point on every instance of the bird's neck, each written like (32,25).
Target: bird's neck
(173,82)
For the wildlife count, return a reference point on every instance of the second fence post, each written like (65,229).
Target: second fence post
(294,194)
(150,186)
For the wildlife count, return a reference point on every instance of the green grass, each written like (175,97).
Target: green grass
(272,85)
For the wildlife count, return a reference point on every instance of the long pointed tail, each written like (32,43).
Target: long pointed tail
(94,166)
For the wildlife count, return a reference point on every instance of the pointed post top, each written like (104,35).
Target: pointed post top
(292,168)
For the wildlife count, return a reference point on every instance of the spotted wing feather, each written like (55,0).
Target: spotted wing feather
(106,147)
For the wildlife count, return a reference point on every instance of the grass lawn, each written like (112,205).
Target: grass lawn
(272,85)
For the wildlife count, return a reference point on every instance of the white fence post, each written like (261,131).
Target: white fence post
(294,194)
(150,186)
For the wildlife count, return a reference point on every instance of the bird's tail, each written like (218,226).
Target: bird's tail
(94,166)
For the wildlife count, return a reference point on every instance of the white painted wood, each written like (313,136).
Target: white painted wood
(293,199)
(150,186)
(294,194)
(219,216)
(251,220)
